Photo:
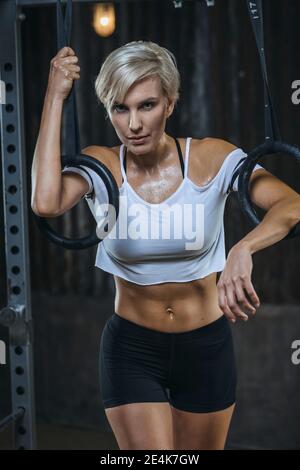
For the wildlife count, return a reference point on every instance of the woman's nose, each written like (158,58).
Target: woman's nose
(134,123)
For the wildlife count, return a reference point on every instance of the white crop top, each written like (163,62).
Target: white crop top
(178,240)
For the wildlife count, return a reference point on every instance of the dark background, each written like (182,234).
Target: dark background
(221,96)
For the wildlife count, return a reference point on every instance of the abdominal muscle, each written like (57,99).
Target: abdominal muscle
(170,307)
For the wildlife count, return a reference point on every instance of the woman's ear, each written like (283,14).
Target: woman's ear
(169,107)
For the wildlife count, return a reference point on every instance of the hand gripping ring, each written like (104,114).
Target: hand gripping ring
(113,199)
(246,169)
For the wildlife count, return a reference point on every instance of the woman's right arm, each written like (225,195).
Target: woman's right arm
(46,177)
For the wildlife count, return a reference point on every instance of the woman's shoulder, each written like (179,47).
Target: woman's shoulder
(106,155)
(213,150)
(214,144)
(207,157)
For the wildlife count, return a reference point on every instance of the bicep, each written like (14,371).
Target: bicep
(83,181)
(74,187)
(266,189)
(77,181)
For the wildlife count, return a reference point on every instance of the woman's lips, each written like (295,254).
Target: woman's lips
(140,140)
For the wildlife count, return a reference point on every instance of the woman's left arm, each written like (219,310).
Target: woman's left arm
(282,204)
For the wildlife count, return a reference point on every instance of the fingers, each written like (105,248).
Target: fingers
(66,55)
(241,298)
(224,305)
(232,297)
(251,293)
(232,301)
(73,68)
(68,67)
(69,60)
(70,75)
(64,60)
(64,52)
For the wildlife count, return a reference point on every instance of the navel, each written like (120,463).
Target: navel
(171,312)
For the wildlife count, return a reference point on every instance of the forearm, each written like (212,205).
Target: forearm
(46,166)
(276,224)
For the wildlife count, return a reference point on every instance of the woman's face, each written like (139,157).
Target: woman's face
(143,113)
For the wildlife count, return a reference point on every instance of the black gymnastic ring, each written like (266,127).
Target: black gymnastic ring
(246,169)
(113,198)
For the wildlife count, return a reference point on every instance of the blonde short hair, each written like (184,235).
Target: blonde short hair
(132,62)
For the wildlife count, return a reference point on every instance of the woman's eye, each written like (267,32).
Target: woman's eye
(117,107)
(148,104)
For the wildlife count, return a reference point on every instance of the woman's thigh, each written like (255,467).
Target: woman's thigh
(142,426)
(201,431)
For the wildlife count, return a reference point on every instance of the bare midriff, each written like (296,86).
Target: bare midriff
(169,307)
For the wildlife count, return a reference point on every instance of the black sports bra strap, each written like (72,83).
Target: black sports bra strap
(179,153)
(124,160)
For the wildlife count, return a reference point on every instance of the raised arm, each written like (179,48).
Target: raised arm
(46,178)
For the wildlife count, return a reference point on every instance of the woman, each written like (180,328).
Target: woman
(167,366)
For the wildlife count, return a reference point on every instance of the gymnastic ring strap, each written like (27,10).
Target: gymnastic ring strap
(256,18)
(71,138)
(271,124)
(268,147)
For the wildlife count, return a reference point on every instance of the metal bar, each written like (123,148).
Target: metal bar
(48,2)
(13,417)
(15,207)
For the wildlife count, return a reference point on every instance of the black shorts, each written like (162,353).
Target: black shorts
(193,371)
